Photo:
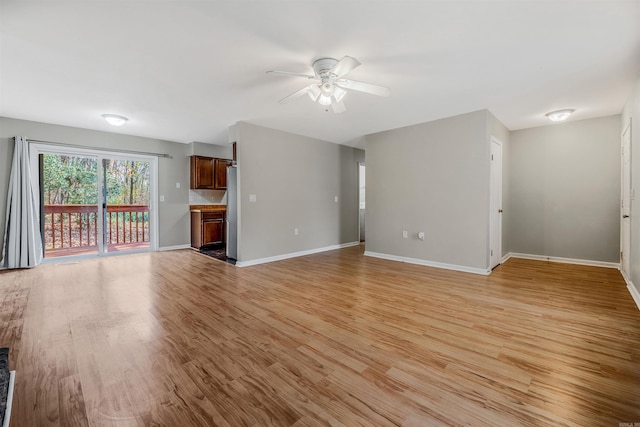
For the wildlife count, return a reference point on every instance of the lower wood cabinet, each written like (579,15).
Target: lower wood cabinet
(207,228)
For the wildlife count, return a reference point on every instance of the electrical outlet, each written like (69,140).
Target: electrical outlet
(335,199)
(296,231)
(405,234)
(162,198)
(177,185)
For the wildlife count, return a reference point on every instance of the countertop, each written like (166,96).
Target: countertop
(208,208)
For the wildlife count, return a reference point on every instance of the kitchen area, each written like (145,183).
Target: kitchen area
(212,205)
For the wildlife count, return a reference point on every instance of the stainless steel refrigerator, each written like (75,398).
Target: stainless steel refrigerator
(232,212)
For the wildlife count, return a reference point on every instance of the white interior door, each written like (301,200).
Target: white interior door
(361,200)
(625,203)
(495,204)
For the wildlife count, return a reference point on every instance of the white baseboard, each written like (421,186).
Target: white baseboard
(632,289)
(634,294)
(294,254)
(173,248)
(562,260)
(7,411)
(426,263)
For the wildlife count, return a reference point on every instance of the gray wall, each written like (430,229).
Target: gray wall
(174,211)
(210,150)
(560,187)
(295,180)
(431,177)
(631,113)
(564,191)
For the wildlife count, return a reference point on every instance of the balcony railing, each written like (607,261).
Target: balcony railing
(73,228)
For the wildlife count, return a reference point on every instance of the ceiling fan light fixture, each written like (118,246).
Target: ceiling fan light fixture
(327,89)
(559,115)
(339,93)
(313,92)
(114,119)
(324,100)
(330,86)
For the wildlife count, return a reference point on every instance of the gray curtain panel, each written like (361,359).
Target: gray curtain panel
(22,239)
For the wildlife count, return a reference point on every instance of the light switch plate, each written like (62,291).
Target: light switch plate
(252,197)
(162,198)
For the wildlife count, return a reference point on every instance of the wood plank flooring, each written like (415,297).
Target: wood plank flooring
(332,339)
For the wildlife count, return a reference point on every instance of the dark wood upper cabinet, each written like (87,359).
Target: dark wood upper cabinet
(221,173)
(202,173)
(209,173)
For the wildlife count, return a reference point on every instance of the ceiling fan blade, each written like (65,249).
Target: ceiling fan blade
(338,107)
(363,87)
(294,95)
(343,66)
(287,73)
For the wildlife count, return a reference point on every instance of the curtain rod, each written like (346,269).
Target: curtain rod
(114,150)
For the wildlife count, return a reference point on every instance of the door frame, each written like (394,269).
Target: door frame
(495,189)
(35,149)
(628,129)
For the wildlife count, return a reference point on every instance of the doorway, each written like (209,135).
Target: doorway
(625,204)
(495,205)
(94,203)
(361,200)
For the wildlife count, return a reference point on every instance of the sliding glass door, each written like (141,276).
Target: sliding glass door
(94,203)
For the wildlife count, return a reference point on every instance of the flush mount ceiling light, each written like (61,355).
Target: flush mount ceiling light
(560,115)
(114,119)
(331,86)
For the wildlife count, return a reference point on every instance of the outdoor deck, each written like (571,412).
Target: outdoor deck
(72,229)
(87,250)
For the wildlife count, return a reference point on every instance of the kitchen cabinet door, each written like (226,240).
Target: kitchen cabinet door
(202,173)
(212,231)
(221,173)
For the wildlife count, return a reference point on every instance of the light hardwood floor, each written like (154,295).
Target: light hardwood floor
(179,339)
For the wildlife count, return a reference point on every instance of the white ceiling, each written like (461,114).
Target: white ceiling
(186,70)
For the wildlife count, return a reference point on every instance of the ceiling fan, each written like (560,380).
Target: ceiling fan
(330,86)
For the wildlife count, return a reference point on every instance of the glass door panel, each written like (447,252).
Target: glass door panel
(126,197)
(69,199)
